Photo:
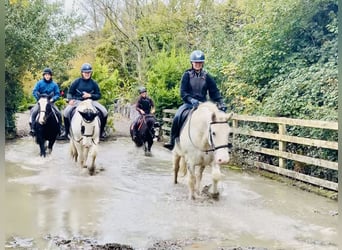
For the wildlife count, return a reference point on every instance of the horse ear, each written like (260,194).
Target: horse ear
(213,117)
(229,116)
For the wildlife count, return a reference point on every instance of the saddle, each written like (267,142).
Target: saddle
(183,117)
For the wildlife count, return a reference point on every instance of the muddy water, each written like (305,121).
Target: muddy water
(134,202)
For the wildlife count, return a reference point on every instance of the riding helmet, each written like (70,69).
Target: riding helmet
(197,56)
(142,90)
(86,67)
(47,71)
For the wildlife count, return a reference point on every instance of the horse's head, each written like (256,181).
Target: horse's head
(219,136)
(44,107)
(89,125)
(88,115)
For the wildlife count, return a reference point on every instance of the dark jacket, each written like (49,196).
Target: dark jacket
(81,85)
(145,104)
(197,86)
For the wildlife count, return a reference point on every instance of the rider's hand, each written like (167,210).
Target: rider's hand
(194,102)
(142,112)
(222,106)
(71,102)
(86,95)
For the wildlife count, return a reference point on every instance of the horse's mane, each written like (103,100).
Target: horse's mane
(212,109)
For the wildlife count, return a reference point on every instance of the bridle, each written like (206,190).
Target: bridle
(46,116)
(213,148)
(87,135)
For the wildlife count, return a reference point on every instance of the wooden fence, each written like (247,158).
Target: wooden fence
(242,128)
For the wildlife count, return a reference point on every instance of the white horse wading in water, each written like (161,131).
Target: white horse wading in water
(204,141)
(85,135)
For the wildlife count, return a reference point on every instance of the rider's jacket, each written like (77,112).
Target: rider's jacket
(46,87)
(197,85)
(81,85)
(145,103)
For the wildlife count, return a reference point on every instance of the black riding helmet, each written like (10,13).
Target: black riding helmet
(47,71)
(142,90)
(86,67)
(197,56)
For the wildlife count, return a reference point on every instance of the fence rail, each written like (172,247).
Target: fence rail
(280,149)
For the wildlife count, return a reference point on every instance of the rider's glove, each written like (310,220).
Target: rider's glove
(222,106)
(194,102)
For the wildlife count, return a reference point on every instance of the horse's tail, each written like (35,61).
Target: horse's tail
(182,166)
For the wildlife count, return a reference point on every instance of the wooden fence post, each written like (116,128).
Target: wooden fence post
(282,144)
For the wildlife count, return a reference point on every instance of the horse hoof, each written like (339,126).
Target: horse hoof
(215,196)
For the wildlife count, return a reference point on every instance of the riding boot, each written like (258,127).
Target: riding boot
(102,128)
(32,132)
(174,131)
(135,131)
(61,128)
(64,135)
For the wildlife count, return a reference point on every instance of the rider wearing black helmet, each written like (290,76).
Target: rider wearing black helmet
(49,87)
(195,85)
(144,105)
(84,88)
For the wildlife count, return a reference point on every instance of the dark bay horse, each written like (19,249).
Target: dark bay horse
(146,132)
(46,126)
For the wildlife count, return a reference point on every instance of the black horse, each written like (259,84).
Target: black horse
(46,125)
(146,132)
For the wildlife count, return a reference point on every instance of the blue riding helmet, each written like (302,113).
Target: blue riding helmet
(86,67)
(197,56)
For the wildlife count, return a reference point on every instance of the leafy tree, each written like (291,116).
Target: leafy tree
(36,36)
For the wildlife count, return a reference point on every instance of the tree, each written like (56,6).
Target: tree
(36,36)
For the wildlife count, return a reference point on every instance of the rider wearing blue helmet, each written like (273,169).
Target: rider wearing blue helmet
(196,83)
(83,88)
(45,86)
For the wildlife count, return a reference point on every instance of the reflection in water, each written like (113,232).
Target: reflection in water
(134,201)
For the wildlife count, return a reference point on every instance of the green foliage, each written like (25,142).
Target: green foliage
(164,78)
(111,85)
(36,36)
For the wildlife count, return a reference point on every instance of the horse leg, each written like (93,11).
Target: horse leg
(199,178)
(216,176)
(176,159)
(192,181)
(85,153)
(42,149)
(91,160)
(73,150)
(50,146)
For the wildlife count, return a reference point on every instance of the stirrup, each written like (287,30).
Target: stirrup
(169,146)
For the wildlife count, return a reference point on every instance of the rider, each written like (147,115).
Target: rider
(195,85)
(45,86)
(144,105)
(83,88)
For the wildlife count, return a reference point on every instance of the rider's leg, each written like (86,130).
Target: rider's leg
(32,121)
(59,117)
(66,115)
(102,128)
(104,115)
(175,128)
